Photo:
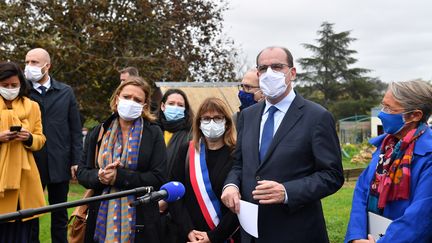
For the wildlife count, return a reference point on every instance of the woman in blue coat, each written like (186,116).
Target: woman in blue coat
(397,184)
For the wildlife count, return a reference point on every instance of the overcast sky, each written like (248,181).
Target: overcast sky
(394,37)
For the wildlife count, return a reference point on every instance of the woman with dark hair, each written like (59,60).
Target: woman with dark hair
(202,166)
(20,135)
(175,119)
(124,152)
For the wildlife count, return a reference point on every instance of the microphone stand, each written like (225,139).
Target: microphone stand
(25,213)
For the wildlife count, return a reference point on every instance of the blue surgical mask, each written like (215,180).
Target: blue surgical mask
(246,99)
(173,113)
(392,123)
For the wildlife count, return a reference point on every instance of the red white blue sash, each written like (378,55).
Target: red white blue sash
(200,181)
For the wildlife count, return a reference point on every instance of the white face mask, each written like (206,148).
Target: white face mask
(34,73)
(129,110)
(272,83)
(9,94)
(213,130)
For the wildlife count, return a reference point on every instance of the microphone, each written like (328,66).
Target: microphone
(170,192)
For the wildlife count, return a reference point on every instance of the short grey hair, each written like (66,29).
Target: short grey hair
(413,95)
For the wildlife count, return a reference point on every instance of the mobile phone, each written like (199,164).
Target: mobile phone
(15,128)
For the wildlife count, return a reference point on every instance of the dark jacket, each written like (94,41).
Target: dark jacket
(304,156)
(151,171)
(181,134)
(180,137)
(62,128)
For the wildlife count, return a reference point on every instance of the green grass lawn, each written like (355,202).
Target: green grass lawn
(337,208)
(76,192)
(336,211)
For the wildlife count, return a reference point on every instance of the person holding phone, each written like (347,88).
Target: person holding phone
(20,135)
(15,128)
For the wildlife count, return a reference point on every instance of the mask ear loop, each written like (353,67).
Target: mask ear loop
(407,113)
(259,91)
(43,74)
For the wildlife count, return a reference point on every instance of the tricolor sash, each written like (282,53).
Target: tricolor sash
(201,185)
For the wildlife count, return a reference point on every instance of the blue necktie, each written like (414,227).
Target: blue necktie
(43,90)
(267,134)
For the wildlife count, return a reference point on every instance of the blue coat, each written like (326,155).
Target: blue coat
(304,156)
(412,218)
(62,128)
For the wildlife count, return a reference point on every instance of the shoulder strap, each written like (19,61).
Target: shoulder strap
(98,142)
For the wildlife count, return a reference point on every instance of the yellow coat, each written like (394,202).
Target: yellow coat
(19,176)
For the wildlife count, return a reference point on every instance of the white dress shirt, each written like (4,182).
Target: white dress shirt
(282,106)
(47,85)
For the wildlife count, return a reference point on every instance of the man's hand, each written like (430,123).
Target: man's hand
(74,169)
(269,192)
(369,240)
(231,198)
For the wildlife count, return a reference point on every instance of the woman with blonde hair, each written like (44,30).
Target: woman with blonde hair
(20,135)
(202,166)
(125,152)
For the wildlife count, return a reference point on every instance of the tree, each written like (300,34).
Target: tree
(330,80)
(90,40)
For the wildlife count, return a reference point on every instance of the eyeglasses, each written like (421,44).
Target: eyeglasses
(275,67)
(247,87)
(387,109)
(216,119)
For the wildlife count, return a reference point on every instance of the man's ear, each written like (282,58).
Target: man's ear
(293,72)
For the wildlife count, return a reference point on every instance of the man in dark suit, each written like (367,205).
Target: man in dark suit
(57,160)
(287,158)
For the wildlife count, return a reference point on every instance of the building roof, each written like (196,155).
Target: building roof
(197,92)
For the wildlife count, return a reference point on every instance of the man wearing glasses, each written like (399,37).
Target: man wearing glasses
(287,157)
(249,91)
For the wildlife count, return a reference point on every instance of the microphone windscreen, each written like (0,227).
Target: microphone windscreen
(174,189)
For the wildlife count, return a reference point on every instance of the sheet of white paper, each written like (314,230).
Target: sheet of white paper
(377,225)
(248,217)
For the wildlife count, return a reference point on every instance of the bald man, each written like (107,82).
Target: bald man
(57,160)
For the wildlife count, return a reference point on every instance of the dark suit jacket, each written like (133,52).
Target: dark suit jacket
(304,156)
(62,128)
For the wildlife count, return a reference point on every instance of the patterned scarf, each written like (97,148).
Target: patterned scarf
(392,176)
(116,220)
